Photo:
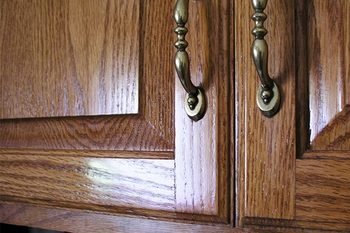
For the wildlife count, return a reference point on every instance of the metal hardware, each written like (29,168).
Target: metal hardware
(268,95)
(195,104)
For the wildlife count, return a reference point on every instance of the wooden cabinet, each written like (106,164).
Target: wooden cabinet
(94,135)
(293,169)
(92,113)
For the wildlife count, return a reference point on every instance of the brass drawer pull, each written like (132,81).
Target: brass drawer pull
(195,104)
(268,95)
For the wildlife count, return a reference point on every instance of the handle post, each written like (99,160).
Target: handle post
(195,104)
(268,96)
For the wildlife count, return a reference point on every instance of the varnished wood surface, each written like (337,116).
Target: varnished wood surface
(61,154)
(88,153)
(326,154)
(335,136)
(201,148)
(157,83)
(322,180)
(151,130)
(125,132)
(69,58)
(329,73)
(323,190)
(74,221)
(77,221)
(89,181)
(265,147)
(278,225)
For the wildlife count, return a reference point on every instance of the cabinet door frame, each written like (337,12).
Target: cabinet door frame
(190,162)
(283,179)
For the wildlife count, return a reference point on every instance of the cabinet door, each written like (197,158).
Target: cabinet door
(295,166)
(92,113)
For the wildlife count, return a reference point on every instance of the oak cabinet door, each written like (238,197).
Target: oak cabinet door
(92,113)
(294,167)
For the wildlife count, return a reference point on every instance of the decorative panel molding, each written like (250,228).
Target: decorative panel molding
(152,129)
(322,177)
(328,49)
(156,163)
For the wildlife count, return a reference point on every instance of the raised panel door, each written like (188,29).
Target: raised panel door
(293,167)
(128,146)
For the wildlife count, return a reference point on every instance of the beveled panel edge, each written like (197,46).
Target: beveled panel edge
(335,135)
(153,82)
(128,132)
(324,154)
(90,153)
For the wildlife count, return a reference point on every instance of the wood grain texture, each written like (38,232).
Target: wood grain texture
(201,148)
(125,132)
(278,225)
(157,82)
(58,58)
(323,190)
(265,147)
(336,134)
(77,221)
(322,179)
(89,182)
(326,154)
(328,47)
(74,221)
(89,154)
(198,187)
(151,130)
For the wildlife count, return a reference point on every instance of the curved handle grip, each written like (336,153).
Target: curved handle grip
(268,96)
(195,104)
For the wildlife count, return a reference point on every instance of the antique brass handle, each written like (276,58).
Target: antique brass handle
(268,96)
(195,103)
